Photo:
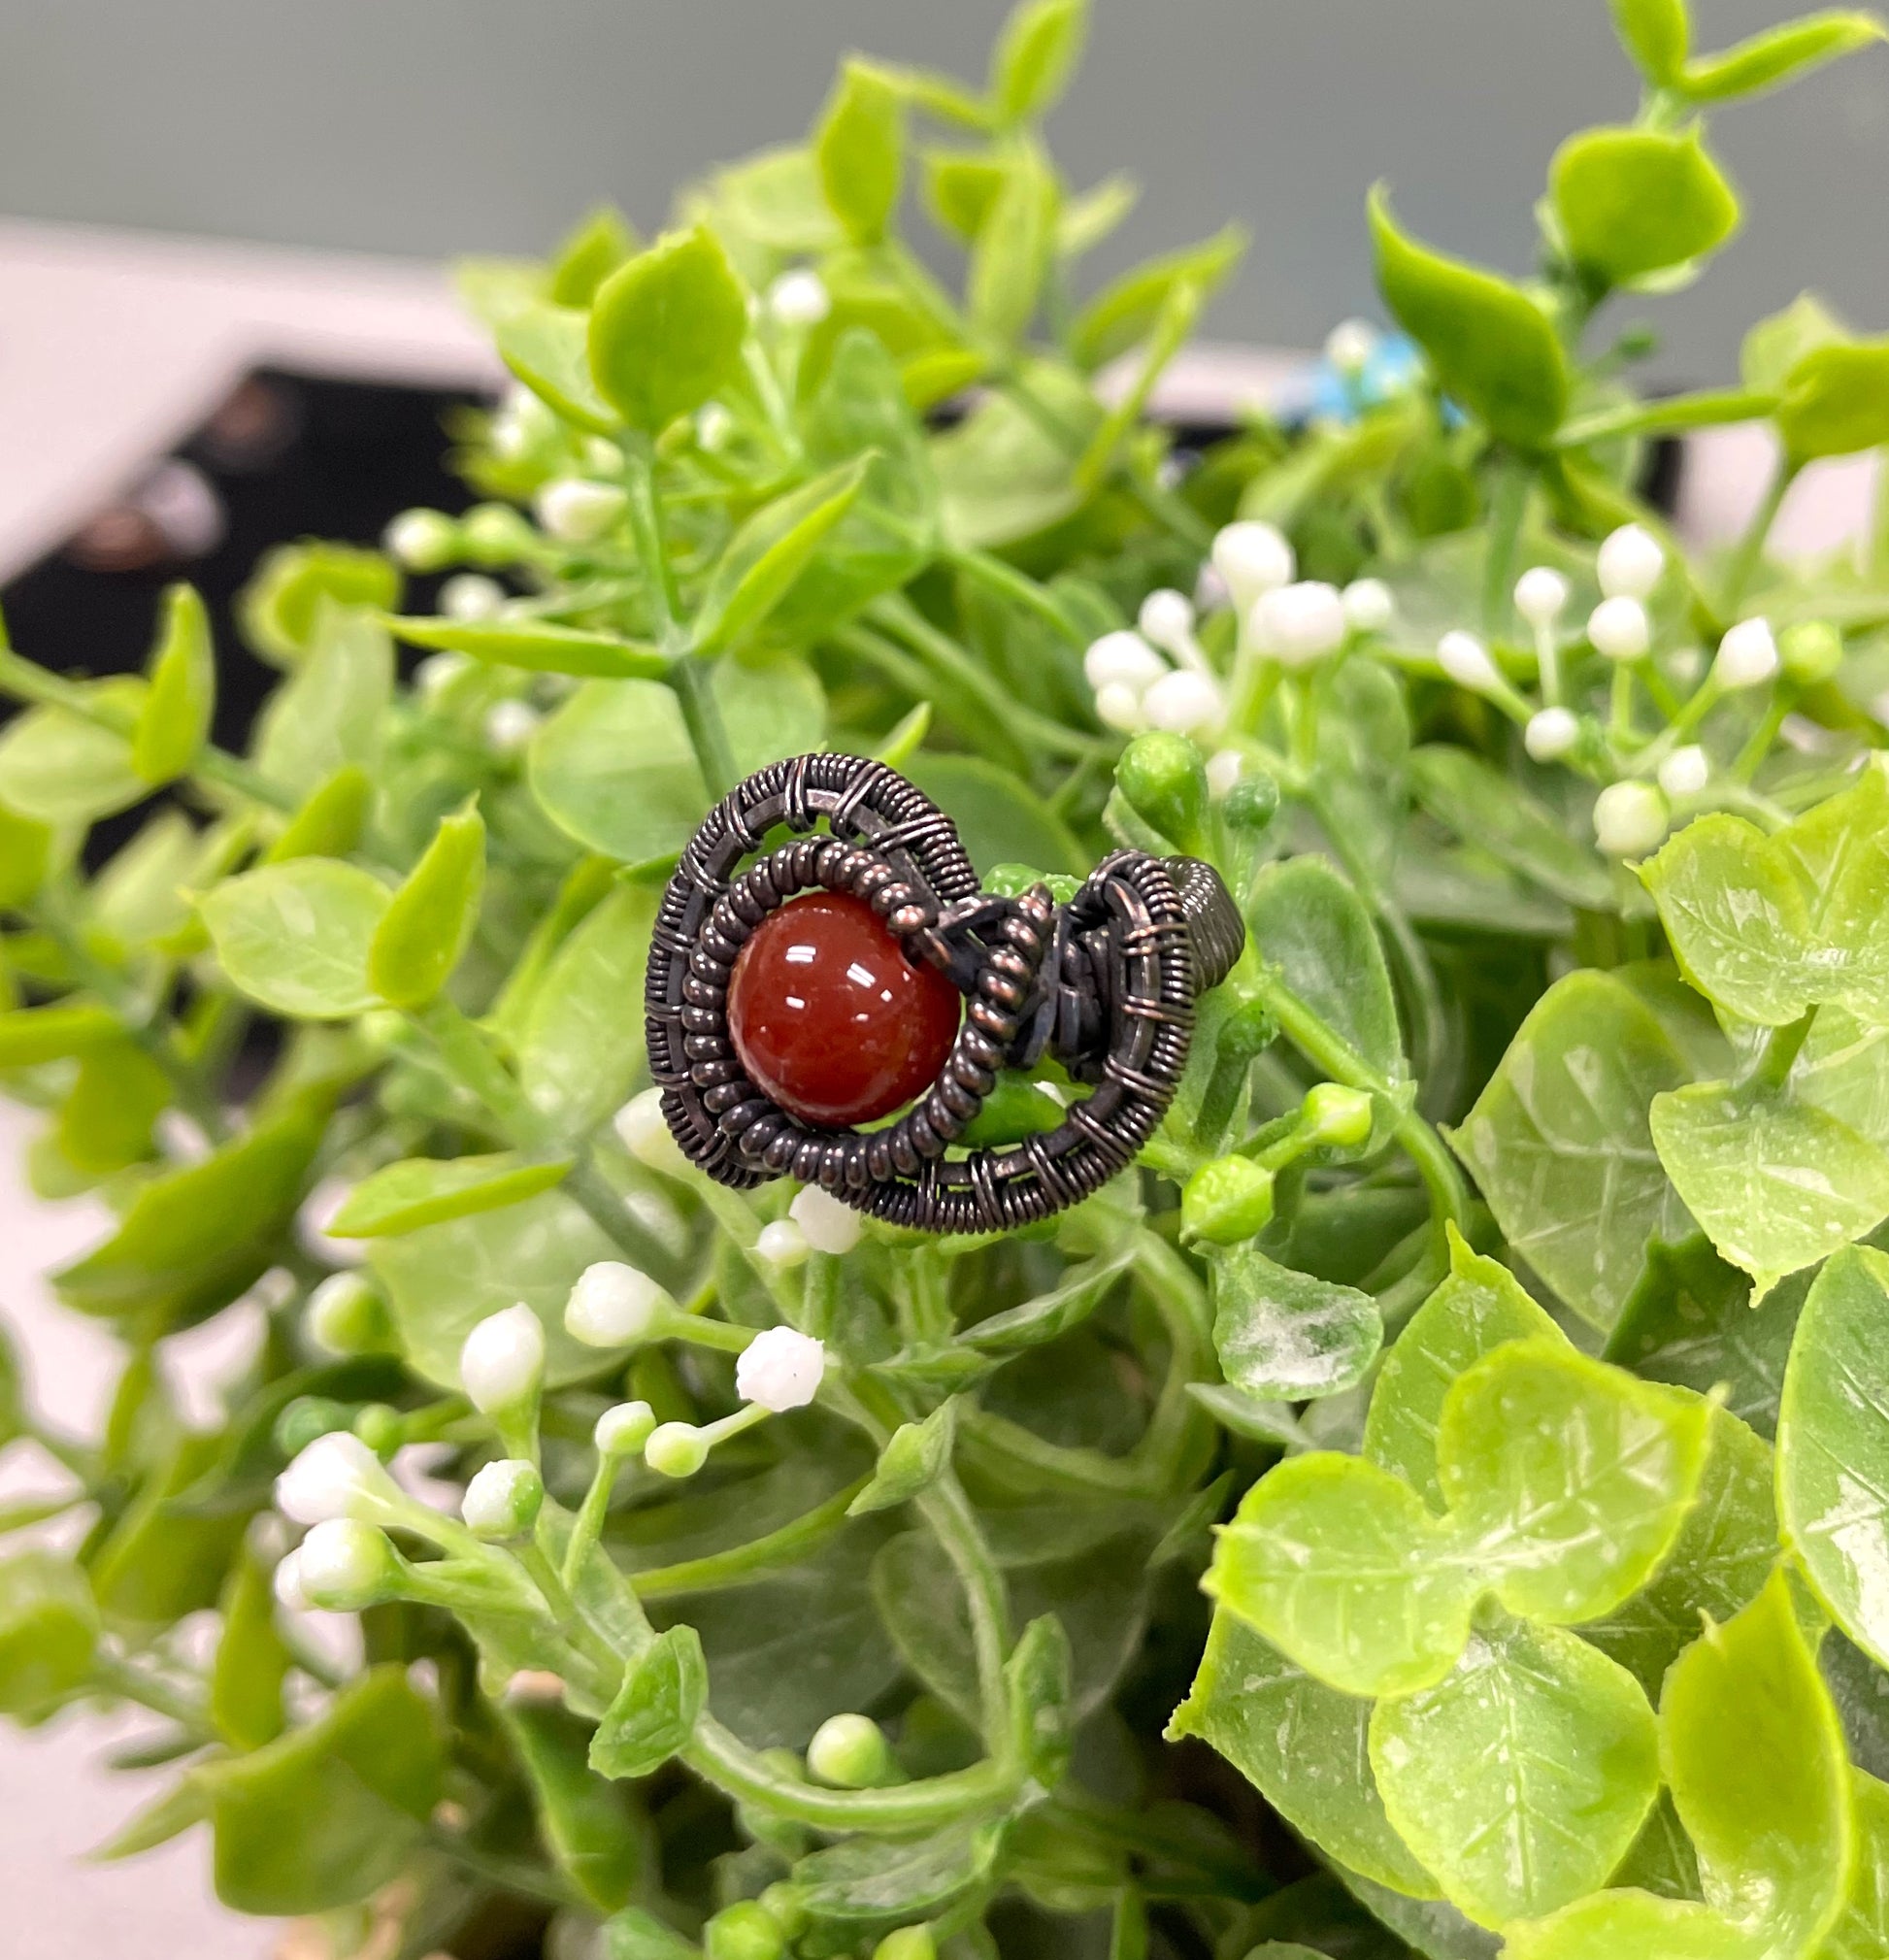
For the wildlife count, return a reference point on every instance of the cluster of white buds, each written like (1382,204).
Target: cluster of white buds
(816,1221)
(576,511)
(1136,687)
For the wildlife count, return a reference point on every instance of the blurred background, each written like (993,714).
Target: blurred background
(441,126)
(189,189)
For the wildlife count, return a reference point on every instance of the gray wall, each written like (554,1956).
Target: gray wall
(452,125)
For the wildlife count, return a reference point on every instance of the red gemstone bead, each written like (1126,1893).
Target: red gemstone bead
(829,1017)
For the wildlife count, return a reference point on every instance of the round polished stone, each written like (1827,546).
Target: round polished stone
(829,1017)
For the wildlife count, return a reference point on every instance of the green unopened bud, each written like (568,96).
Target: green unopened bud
(786,1905)
(382,1428)
(747,1931)
(907,1943)
(495,534)
(675,1449)
(1163,781)
(1227,1201)
(343,1566)
(1014,1108)
(423,541)
(1332,1113)
(851,1753)
(502,1500)
(1813,651)
(1251,803)
(623,1430)
(307,1417)
(347,1316)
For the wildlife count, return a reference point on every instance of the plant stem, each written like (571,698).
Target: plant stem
(118,1676)
(997,575)
(1778,1057)
(1750,550)
(1508,504)
(785,1546)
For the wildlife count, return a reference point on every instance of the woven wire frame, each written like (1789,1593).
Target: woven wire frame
(1106,983)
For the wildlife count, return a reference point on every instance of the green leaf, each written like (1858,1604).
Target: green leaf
(137,898)
(915,1457)
(421,1191)
(1837,401)
(960,188)
(180,1809)
(1000,475)
(59,769)
(999,820)
(1303,1745)
(1339,1564)
(637,1935)
(1635,201)
(1753,1753)
(548,347)
(1571,1478)
(1474,1310)
(332,710)
(443,1280)
(1561,1146)
(49,1633)
(1521,1778)
(590,1827)
(173,723)
(252,1661)
(1612,1924)
(430,920)
(1321,951)
(1011,253)
(874,1882)
(1657,34)
(332,1811)
(589,254)
(654,1714)
(193,1239)
(30,1036)
(1691,1322)
(165,1557)
(1862,1931)
(1036,50)
(1776,1184)
(859,151)
(293,585)
(1038,1678)
(1779,55)
(615,769)
(765,557)
(297,937)
(1489,810)
(330,821)
(1491,347)
(1123,313)
(1288,1335)
(666,329)
(1718,1564)
(539,646)
(579,1050)
(25,855)
(1833,1447)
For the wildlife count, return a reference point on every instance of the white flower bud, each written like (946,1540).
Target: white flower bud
(287,1584)
(1630,563)
(1369,607)
(799,298)
(502,1364)
(313,1219)
(675,1449)
(1122,658)
(437,671)
(1540,595)
(502,1500)
(423,541)
(346,1315)
(623,1429)
(1184,701)
(471,595)
(1211,593)
(827,1225)
(1297,624)
(1253,558)
(1223,769)
(510,725)
(1747,655)
(713,425)
(1551,734)
(343,1566)
(1620,629)
(1118,705)
(1466,660)
(643,1131)
(1349,346)
(337,1476)
(1685,772)
(615,1305)
(1167,619)
(576,511)
(782,1245)
(780,1368)
(1630,818)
